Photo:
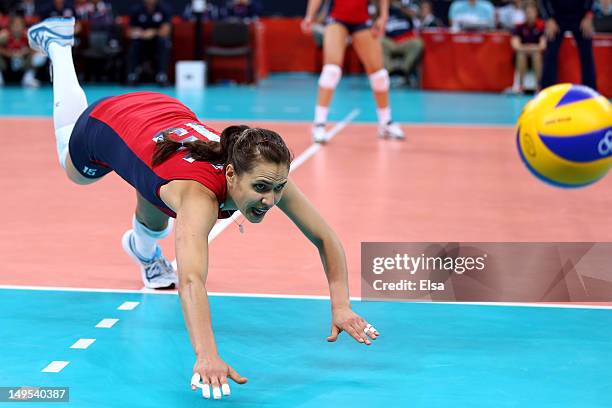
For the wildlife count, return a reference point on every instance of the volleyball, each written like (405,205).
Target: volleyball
(564,135)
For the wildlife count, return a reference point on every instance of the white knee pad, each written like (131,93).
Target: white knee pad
(330,76)
(379,80)
(140,228)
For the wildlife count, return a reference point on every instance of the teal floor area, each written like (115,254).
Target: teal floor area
(291,97)
(429,355)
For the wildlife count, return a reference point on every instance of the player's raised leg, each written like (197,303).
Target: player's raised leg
(55,37)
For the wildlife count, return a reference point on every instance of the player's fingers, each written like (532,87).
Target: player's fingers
(354,332)
(216,389)
(195,381)
(335,331)
(362,335)
(205,388)
(225,388)
(370,331)
(233,374)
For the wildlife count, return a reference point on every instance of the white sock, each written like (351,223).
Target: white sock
(69,99)
(321,114)
(145,239)
(384,115)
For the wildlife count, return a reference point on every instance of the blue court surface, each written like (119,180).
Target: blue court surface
(290,97)
(429,355)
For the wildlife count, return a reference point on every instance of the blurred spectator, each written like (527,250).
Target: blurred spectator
(510,15)
(603,16)
(83,8)
(426,16)
(603,8)
(529,42)
(57,8)
(243,9)
(16,57)
(213,11)
(98,13)
(26,8)
(471,15)
(400,42)
(150,40)
(4,22)
(574,16)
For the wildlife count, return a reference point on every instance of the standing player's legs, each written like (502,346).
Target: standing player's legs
(369,51)
(334,45)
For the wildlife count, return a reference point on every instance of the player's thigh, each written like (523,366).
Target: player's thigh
(334,43)
(368,49)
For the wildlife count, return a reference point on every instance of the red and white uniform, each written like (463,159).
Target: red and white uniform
(120,133)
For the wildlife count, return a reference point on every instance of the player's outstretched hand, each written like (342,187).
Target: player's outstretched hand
(214,372)
(345,319)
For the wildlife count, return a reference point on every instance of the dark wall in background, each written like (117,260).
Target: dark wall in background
(270,7)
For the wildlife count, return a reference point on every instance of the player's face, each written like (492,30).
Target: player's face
(258,190)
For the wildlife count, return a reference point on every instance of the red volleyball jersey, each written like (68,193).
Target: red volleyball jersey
(349,11)
(139,119)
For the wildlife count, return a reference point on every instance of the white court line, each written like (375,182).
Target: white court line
(128,306)
(106,323)
(82,344)
(55,366)
(307,297)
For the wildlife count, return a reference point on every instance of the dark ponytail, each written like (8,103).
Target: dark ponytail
(239,146)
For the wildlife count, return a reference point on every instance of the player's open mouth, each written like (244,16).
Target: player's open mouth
(259,212)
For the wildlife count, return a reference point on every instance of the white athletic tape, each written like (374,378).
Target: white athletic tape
(195,380)
(367,328)
(205,391)
(330,76)
(379,80)
(216,392)
(225,388)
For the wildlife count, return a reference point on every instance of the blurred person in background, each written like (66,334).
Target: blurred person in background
(243,9)
(150,40)
(427,19)
(401,42)
(568,15)
(16,58)
(528,41)
(57,8)
(471,15)
(510,15)
(350,19)
(602,16)
(26,8)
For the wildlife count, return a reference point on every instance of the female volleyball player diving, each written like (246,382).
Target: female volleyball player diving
(350,18)
(182,169)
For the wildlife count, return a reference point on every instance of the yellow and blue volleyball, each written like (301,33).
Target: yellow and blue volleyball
(564,135)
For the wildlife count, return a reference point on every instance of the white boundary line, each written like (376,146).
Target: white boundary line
(305,297)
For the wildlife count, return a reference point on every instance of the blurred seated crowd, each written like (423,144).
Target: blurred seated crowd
(137,48)
(130,49)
